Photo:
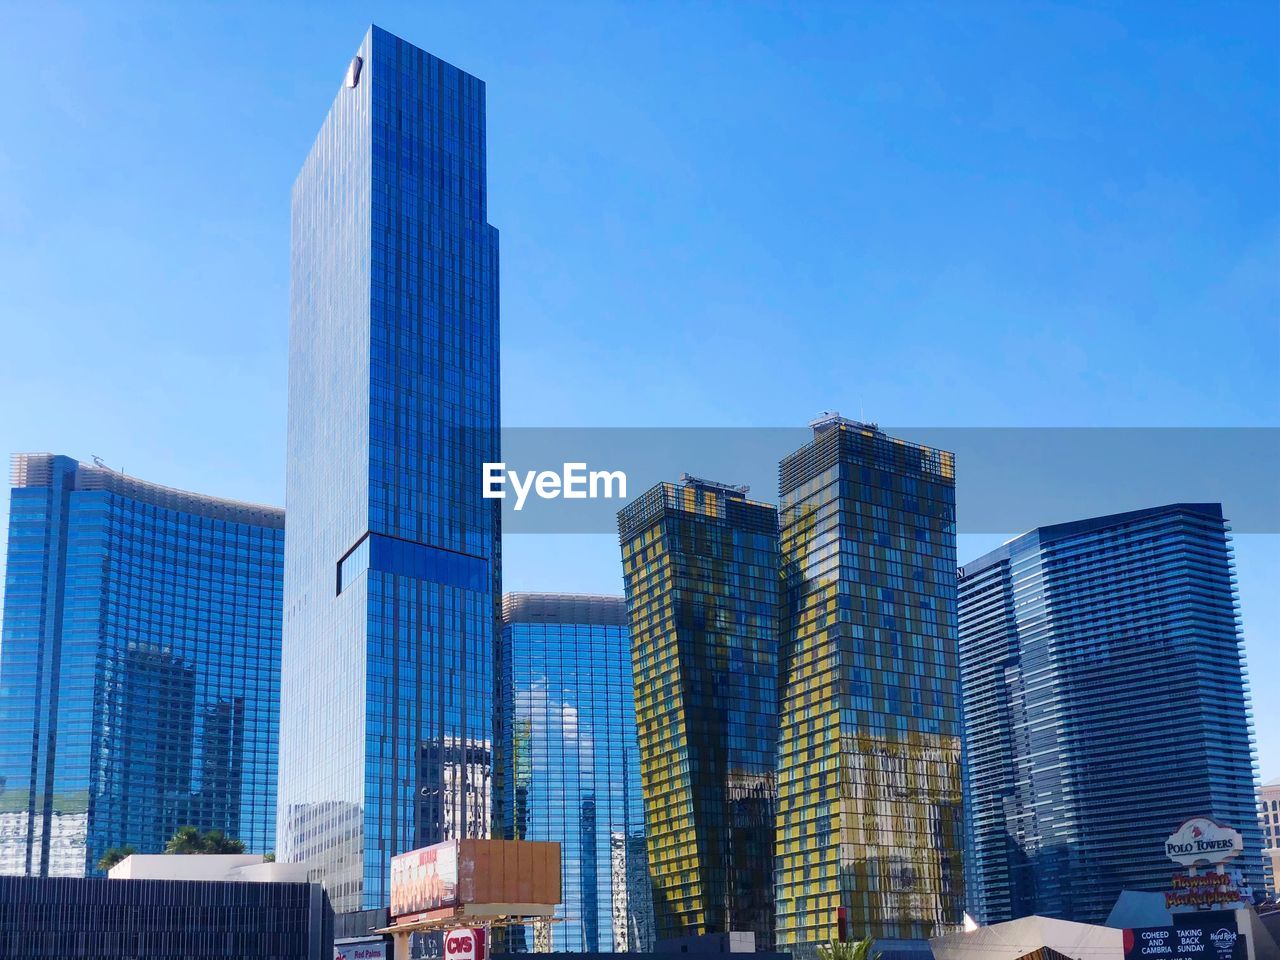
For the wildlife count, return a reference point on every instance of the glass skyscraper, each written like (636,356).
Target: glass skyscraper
(139,667)
(1269,817)
(869,767)
(1105,704)
(700,562)
(569,767)
(391,566)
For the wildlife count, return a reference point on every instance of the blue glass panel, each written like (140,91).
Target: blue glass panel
(354,565)
(419,561)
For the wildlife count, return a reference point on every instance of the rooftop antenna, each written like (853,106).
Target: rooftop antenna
(97,461)
(691,480)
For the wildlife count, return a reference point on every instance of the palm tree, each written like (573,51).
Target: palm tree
(215,841)
(843,950)
(113,856)
(191,840)
(185,840)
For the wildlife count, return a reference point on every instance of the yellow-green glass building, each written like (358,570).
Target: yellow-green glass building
(700,563)
(869,773)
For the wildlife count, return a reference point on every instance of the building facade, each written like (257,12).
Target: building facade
(569,766)
(1104,705)
(392,563)
(1269,821)
(869,769)
(139,667)
(700,563)
(52,918)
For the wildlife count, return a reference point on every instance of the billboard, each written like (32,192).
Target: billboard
(1201,840)
(502,876)
(1211,935)
(425,879)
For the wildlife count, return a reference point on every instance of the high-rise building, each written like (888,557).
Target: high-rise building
(700,563)
(1269,820)
(569,767)
(392,559)
(1105,705)
(139,667)
(869,767)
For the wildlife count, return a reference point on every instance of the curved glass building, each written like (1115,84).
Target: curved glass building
(139,667)
(569,766)
(1105,704)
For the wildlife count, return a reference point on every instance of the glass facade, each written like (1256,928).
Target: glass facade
(869,768)
(1269,822)
(1105,704)
(700,562)
(392,563)
(569,767)
(139,667)
(52,918)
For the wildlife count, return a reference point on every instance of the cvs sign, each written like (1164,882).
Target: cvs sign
(465,944)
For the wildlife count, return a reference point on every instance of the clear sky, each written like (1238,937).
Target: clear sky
(953,214)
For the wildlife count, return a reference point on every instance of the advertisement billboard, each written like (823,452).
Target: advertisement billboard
(505,876)
(425,879)
(1211,935)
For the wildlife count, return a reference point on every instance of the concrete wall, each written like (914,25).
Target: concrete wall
(207,866)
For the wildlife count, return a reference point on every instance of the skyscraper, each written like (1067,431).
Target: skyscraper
(139,667)
(569,767)
(1269,819)
(869,785)
(391,564)
(1104,705)
(700,563)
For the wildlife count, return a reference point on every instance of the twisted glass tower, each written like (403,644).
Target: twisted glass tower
(139,667)
(869,786)
(1105,704)
(700,563)
(391,563)
(569,765)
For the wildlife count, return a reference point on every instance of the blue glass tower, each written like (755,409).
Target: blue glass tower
(139,667)
(569,767)
(1104,704)
(391,564)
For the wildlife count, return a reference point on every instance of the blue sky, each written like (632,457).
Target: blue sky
(711,214)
